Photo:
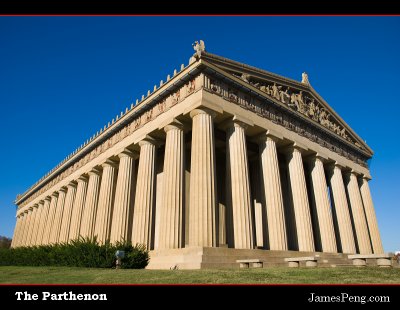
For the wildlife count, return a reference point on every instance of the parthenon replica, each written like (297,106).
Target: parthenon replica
(222,161)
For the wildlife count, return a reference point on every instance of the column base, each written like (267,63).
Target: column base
(359,262)
(223,257)
(384,262)
(311,263)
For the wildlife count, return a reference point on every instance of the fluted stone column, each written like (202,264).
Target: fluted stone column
(18,230)
(371,216)
(37,226)
(90,208)
(144,198)
(20,233)
(106,202)
(202,201)
(21,229)
(342,210)
(50,219)
(21,241)
(300,201)
(171,222)
(67,214)
(273,194)
(239,186)
(77,209)
(123,197)
(43,220)
(357,209)
(322,205)
(14,241)
(26,227)
(56,227)
(32,226)
(15,234)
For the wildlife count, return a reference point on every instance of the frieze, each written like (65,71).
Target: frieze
(281,117)
(302,102)
(164,105)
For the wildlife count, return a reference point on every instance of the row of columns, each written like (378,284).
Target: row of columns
(100,203)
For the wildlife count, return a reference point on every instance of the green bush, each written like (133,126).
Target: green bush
(135,257)
(77,253)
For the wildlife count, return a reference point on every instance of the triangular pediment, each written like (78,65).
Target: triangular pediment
(299,97)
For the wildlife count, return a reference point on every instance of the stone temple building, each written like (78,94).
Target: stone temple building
(219,162)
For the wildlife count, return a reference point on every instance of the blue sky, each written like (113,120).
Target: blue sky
(63,78)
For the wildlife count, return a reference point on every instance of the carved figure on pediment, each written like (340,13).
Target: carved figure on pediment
(245,77)
(343,133)
(255,84)
(324,118)
(302,104)
(284,95)
(313,110)
(296,100)
(275,91)
(199,47)
(304,78)
(266,89)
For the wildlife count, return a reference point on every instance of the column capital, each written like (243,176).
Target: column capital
(295,147)
(355,173)
(36,205)
(237,121)
(366,177)
(73,183)
(63,189)
(128,153)
(41,202)
(94,171)
(27,211)
(48,198)
(267,136)
(333,165)
(316,157)
(321,157)
(55,194)
(148,140)
(109,163)
(175,124)
(349,172)
(206,111)
(83,178)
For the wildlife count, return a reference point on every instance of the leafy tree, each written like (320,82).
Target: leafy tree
(5,242)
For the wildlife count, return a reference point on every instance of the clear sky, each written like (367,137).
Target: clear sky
(63,78)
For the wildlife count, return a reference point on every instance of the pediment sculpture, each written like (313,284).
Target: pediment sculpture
(302,102)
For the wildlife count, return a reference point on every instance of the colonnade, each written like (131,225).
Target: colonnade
(114,202)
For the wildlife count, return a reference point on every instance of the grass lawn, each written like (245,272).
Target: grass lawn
(66,275)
